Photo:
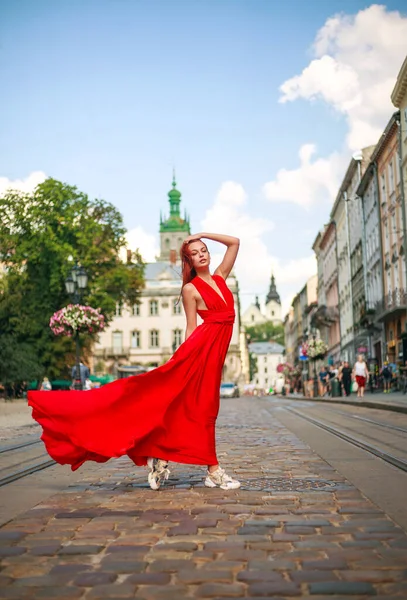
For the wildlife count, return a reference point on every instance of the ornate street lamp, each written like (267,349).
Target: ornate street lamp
(75,284)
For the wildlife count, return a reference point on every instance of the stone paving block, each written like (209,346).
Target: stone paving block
(342,587)
(123,566)
(270,588)
(95,578)
(112,590)
(149,578)
(80,549)
(330,563)
(6,551)
(221,590)
(65,593)
(46,550)
(166,565)
(195,576)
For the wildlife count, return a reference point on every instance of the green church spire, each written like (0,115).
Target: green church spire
(174,222)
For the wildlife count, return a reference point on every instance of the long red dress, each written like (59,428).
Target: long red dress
(168,413)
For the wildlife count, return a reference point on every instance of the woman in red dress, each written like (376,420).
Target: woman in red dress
(167,414)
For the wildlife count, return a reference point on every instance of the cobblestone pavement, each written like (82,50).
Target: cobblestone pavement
(296,528)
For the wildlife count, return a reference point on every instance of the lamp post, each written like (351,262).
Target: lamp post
(75,284)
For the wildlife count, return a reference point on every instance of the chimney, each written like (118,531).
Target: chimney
(173,257)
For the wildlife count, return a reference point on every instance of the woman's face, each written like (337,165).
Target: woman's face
(199,255)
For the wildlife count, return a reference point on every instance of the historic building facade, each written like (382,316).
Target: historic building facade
(373,267)
(327,315)
(392,309)
(148,333)
(267,355)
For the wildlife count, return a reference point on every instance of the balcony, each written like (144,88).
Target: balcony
(113,352)
(393,304)
(325,316)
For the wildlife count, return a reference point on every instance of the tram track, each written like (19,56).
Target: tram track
(10,448)
(365,419)
(29,461)
(20,473)
(351,439)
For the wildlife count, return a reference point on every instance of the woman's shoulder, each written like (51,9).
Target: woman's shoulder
(188,290)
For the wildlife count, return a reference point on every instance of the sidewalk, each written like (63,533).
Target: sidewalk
(296,528)
(395,401)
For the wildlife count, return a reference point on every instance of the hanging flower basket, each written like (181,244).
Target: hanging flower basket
(75,318)
(315,349)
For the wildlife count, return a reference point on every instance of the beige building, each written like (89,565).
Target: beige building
(399,99)
(268,356)
(290,337)
(392,309)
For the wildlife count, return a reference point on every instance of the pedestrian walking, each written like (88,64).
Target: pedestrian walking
(82,376)
(169,413)
(360,373)
(322,376)
(346,378)
(387,377)
(46,385)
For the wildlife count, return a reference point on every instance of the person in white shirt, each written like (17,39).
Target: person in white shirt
(360,373)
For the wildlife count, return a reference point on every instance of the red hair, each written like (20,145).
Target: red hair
(188,271)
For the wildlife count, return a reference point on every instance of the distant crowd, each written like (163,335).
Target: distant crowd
(343,379)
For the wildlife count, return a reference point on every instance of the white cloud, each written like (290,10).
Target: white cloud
(357,59)
(229,214)
(145,242)
(24,185)
(311,183)
(355,65)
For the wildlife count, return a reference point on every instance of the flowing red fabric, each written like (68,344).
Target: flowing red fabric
(168,413)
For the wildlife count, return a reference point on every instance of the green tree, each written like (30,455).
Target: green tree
(266,332)
(39,234)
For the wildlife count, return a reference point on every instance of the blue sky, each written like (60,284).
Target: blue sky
(110,94)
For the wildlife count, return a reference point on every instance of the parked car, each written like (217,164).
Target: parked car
(229,390)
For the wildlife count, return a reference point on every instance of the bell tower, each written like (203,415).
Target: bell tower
(273,303)
(174,229)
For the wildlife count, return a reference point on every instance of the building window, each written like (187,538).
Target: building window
(266,381)
(135,339)
(154,338)
(119,309)
(397,168)
(176,307)
(383,181)
(135,310)
(272,313)
(265,359)
(391,176)
(252,318)
(153,308)
(117,342)
(176,338)
(265,369)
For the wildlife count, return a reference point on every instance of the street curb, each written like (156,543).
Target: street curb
(364,403)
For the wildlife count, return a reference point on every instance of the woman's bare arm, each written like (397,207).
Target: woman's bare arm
(229,259)
(189,302)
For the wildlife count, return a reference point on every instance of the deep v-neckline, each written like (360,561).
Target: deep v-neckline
(212,288)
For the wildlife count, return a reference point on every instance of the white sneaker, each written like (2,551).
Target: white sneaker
(220,479)
(159,472)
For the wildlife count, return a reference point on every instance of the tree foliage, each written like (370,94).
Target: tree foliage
(42,234)
(266,332)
